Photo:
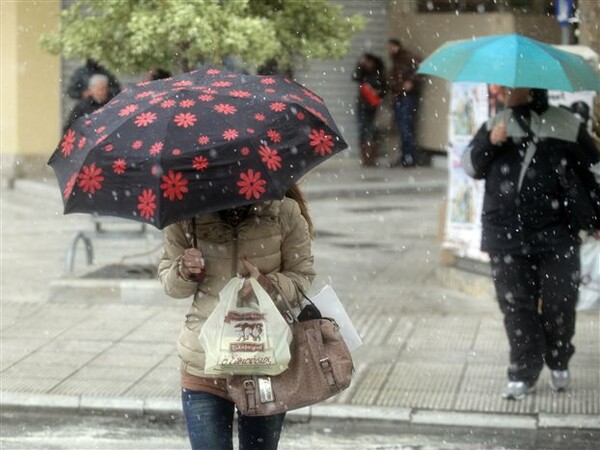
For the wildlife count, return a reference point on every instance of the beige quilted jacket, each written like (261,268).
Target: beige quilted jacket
(274,238)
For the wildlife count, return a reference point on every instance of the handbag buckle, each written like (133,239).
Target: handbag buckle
(325,363)
(249,385)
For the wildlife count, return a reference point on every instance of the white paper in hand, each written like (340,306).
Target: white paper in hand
(330,306)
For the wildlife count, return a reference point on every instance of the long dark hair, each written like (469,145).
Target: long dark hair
(296,194)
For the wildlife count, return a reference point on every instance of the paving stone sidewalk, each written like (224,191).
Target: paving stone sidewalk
(431,355)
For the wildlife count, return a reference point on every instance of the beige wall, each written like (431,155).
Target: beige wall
(423,33)
(30,121)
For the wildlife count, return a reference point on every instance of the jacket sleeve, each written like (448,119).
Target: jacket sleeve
(480,153)
(175,242)
(586,156)
(297,271)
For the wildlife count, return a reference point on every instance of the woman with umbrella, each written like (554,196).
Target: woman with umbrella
(537,163)
(269,241)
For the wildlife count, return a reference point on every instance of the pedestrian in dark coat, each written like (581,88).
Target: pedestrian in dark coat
(404,88)
(78,84)
(370,75)
(530,156)
(98,89)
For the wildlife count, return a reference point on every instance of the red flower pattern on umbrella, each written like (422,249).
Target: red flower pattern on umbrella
(145,119)
(203,140)
(300,115)
(156,148)
(188,103)
(268,80)
(309,94)
(213,71)
(174,185)
(90,178)
(183,83)
(224,108)
(230,134)
(68,142)
(251,185)
(270,90)
(222,84)
(260,117)
(129,109)
(206,98)
(147,204)
(185,120)
(137,144)
(245,151)
(70,185)
(240,94)
(109,148)
(321,142)
(277,106)
(274,136)
(144,94)
(119,166)
(101,138)
(270,157)
(100,130)
(316,113)
(200,163)
(81,142)
(168,104)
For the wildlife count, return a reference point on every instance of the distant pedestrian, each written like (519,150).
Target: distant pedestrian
(404,88)
(79,81)
(97,97)
(157,74)
(538,163)
(371,77)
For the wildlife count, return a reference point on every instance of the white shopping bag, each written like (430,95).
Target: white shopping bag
(330,306)
(589,285)
(251,338)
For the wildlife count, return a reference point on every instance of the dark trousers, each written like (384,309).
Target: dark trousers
(537,295)
(209,421)
(405,113)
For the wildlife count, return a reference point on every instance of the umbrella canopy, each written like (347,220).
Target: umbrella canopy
(203,141)
(511,60)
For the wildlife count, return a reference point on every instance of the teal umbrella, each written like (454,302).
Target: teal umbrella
(511,60)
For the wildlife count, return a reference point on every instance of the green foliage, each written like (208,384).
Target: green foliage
(135,35)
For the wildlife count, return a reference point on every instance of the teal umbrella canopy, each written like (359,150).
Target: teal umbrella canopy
(511,60)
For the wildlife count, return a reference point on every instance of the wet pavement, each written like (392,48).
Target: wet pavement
(432,355)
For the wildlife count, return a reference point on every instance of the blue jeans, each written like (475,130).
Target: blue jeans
(405,113)
(209,421)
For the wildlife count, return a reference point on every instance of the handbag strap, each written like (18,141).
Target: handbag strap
(194,235)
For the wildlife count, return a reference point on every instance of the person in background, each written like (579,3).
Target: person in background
(530,156)
(404,88)
(157,74)
(97,96)
(370,74)
(79,82)
(268,241)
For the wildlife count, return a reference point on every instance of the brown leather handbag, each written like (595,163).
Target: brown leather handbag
(321,366)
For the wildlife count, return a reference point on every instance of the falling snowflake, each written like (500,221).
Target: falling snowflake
(230,134)
(147,204)
(251,185)
(174,185)
(119,166)
(200,163)
(270,157)
(185,120)
(90,179)
(321,142)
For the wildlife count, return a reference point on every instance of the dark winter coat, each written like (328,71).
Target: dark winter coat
(80,79)
(404,68)
(84,107)
(526,207)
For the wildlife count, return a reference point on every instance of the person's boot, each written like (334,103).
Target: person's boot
(364,154)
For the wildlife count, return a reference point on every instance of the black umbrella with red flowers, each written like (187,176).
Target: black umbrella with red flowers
(203,141)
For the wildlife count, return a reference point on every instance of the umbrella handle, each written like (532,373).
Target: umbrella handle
(195,276)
